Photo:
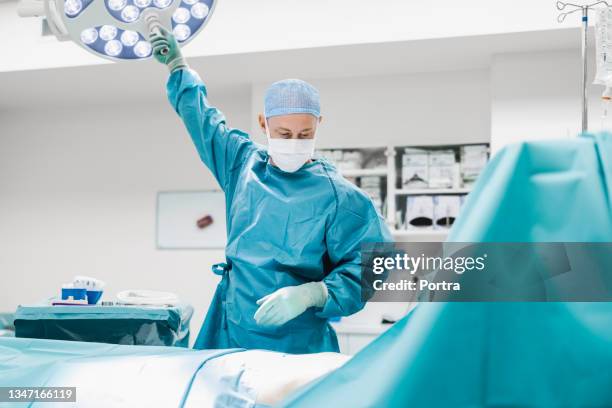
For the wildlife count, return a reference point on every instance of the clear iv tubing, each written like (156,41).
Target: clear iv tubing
(605,106)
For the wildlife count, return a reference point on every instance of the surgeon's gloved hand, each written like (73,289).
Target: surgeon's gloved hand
(288,303)
(163,39)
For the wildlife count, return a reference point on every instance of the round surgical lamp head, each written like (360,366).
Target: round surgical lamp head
(120,29)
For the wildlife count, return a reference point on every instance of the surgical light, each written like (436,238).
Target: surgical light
(89,35)
(120,29)
(72,7)
(181,15)
(113,48)
(142,49)
(108,32)
(199,10)
(181,32)
(130,14)
(116,4)
(129,38)
(162,3)
(142,3)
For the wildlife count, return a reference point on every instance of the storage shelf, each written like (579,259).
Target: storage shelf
(390,176)
(420,235)
(364,172)
(420,232)
(432,191)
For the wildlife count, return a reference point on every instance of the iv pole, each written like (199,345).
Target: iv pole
(585,38)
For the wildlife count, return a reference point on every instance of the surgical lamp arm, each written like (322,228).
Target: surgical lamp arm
(46,9)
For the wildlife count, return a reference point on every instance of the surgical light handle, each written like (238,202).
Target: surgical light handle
(153,24)
(585,38)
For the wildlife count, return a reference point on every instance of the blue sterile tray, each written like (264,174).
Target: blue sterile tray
(137,325)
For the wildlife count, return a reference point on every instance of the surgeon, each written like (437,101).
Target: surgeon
(294,225)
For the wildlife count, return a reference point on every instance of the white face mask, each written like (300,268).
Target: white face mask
(290,155)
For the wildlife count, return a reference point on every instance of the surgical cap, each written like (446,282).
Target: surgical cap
(292,96)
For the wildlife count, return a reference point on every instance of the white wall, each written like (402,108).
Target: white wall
(416,109)
(78,193)
(537,96)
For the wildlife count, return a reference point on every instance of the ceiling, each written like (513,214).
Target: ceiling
(141,81)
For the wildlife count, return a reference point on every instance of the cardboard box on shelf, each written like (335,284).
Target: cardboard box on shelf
(442,169)
(473,161)
(415,168)
(419,212)
(446,210)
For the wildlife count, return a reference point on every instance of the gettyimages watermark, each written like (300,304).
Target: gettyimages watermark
(487,272)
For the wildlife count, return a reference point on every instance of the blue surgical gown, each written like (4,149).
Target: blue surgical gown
(283,229)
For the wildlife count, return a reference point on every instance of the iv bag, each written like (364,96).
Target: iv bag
(603,46)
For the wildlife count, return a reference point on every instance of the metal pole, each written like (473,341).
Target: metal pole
(585,100)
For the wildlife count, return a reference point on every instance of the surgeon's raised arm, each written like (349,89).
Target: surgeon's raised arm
(222,149)
(355,223)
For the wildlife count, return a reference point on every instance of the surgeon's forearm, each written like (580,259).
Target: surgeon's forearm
(344,292)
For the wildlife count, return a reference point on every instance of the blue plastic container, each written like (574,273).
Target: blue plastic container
(93,296)
(75,293)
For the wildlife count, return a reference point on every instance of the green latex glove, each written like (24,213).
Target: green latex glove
(162,38)
(288,303)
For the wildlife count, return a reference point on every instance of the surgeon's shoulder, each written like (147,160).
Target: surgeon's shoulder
(243,146)
(260,152)
(350,197)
